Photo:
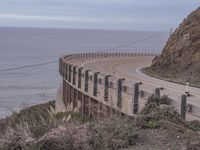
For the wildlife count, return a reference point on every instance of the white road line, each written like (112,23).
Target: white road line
(138,70)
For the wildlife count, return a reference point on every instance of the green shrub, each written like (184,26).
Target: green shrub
(112,133)
(194,125)
(153,124)
(153,103)
(164,100)
(75,117)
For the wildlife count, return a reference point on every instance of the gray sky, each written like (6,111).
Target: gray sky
(151,15)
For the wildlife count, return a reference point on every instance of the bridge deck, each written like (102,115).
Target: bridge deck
(129,68)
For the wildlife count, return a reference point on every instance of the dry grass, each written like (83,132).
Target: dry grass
(69,130)
(65,130)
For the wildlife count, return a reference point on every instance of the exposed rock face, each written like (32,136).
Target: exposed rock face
(181,56)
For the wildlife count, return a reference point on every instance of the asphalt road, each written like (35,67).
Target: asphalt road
(129,68)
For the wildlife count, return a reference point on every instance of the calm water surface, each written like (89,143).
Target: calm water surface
(26,46)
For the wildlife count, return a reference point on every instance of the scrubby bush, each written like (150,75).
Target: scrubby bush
(72,131)
(156,111)
(112,133)
(153,124)
(65,130)
(153,102)
(194,125)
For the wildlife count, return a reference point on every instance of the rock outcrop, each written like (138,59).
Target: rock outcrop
(180,58)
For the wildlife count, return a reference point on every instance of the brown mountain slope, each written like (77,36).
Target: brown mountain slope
(180,59)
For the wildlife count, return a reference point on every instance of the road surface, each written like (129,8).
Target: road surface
(129,68)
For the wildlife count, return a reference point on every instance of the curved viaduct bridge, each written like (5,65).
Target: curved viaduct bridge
(113,82)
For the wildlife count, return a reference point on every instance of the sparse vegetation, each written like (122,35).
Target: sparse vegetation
(153,124)
(179,60)
(194,125)
(113,133)
(69,130)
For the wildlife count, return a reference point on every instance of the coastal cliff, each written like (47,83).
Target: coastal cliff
(180,58)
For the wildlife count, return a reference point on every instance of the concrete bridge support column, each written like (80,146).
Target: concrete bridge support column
(79,101)
(89,106)
(86,105)
(75,98)
(119,93)
(66,71)
(61,67)
(70,73)
(71,94)
(106,87)
(66,100)
(64,92)
(86,80)
(82,104)
(74,75)
(79,77)
(94,108)
(183,106)
(95,90)
(75,92)
(60,61)
(135,98)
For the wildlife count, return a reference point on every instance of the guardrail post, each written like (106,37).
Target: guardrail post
(135,98)
(86,80)
(89,55)
(106,86)
(70,73)
(157,92)
(79,77)
(74,75)
(183,106)
(119,93)
(95,83)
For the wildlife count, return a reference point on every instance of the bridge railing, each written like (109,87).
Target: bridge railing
(128,97)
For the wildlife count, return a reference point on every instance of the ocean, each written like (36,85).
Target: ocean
(26,46)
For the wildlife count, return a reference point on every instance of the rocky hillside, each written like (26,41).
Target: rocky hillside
(180,58)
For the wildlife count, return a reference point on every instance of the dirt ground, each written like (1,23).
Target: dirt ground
(162,139)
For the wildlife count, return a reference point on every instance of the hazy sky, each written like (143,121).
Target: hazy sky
(97,14)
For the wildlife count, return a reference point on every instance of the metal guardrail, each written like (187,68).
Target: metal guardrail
(112,91)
